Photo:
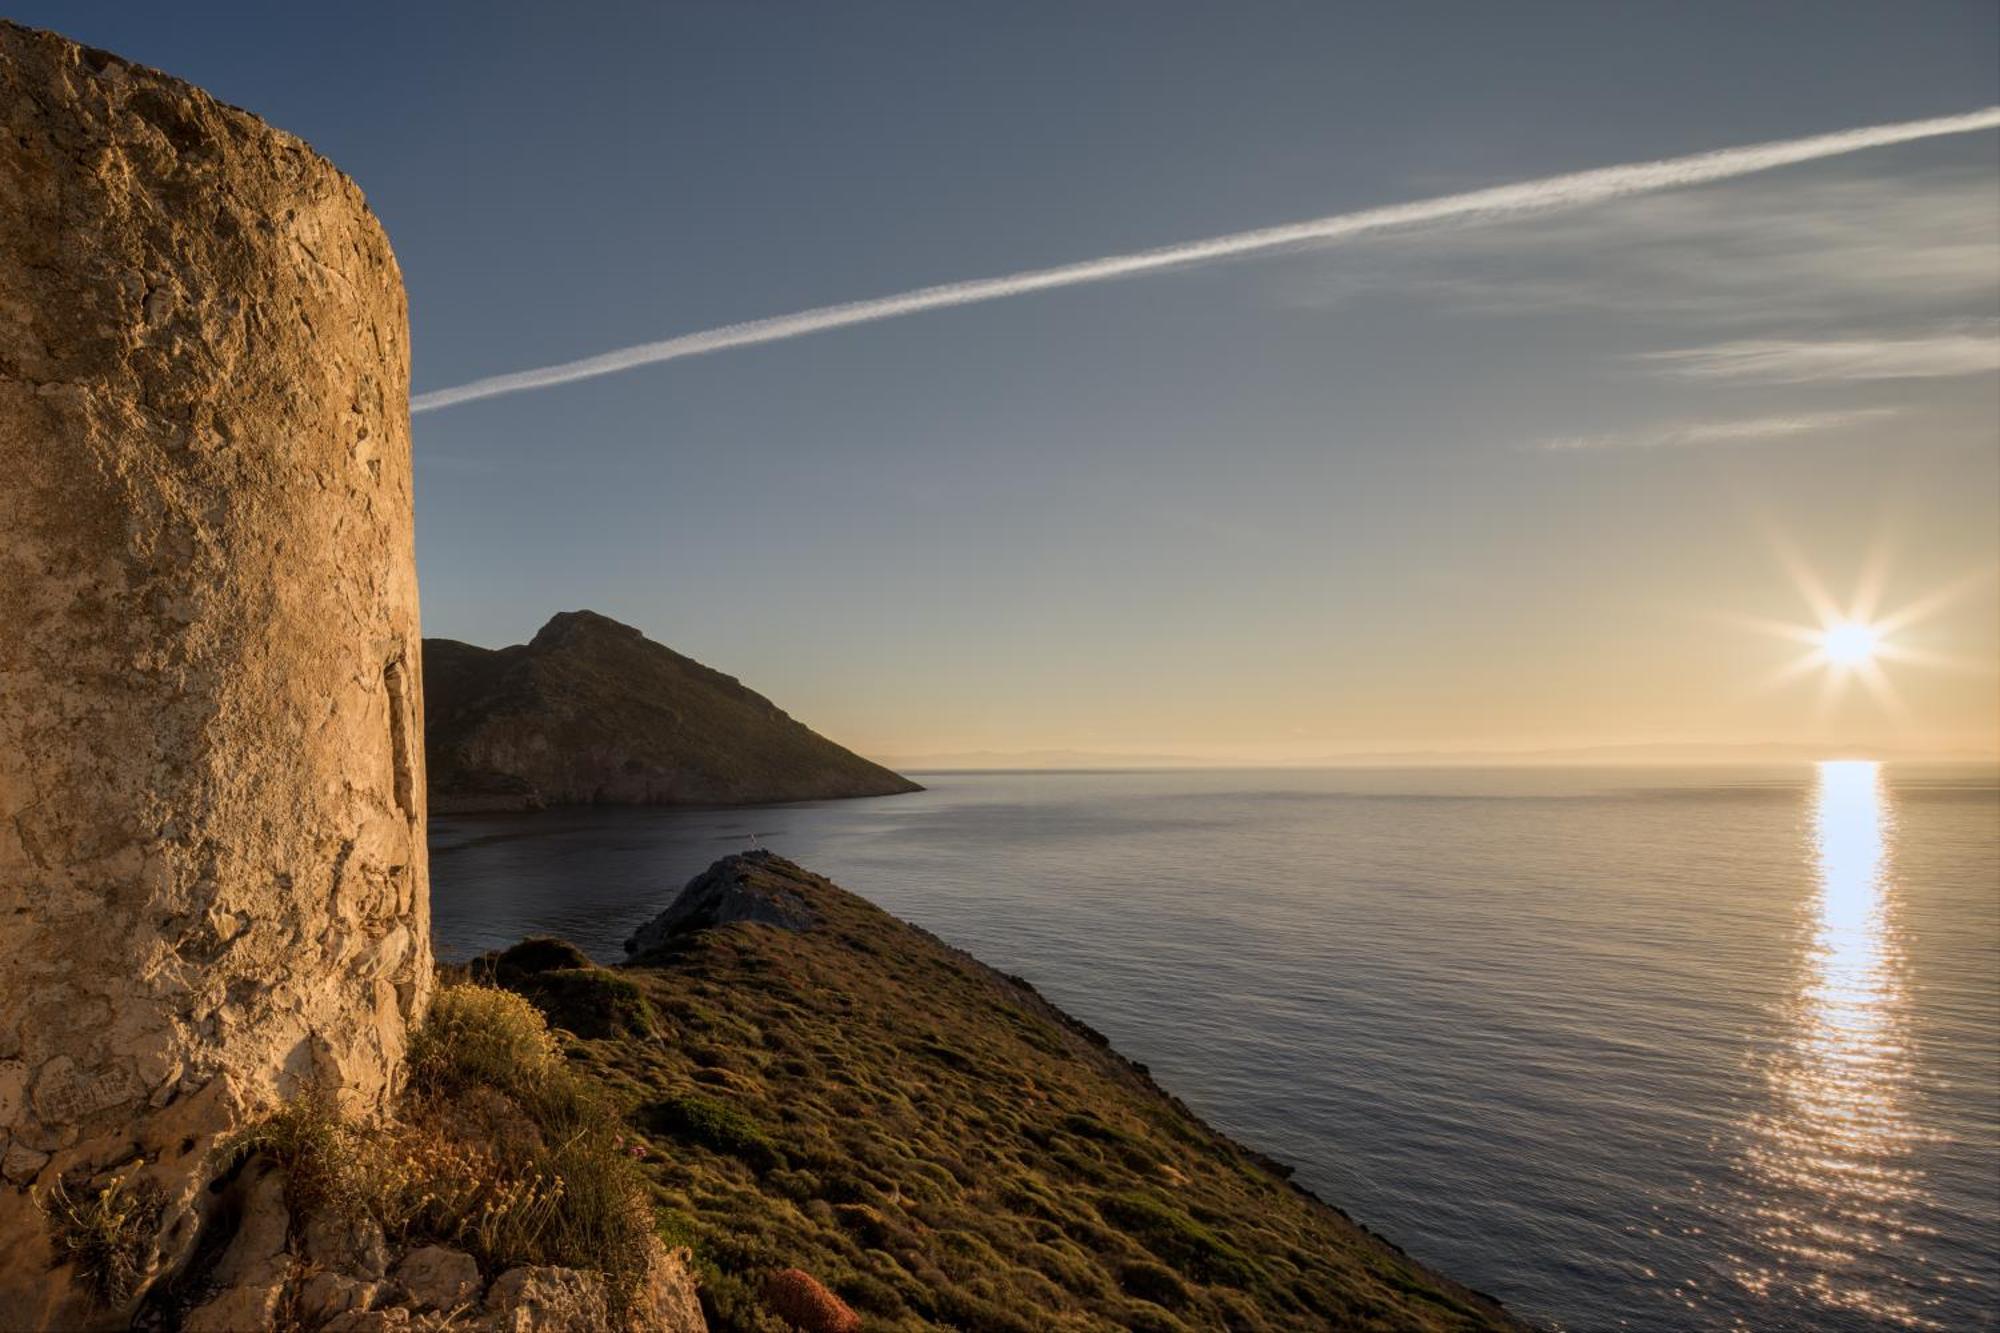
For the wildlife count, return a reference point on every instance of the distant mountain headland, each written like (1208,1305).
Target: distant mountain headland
(592,711)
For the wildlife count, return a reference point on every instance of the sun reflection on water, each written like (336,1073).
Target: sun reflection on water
(1832,1156)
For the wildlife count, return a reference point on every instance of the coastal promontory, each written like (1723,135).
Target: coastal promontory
(592,711)
(815,1088)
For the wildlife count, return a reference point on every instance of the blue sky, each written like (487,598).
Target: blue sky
(1484,488)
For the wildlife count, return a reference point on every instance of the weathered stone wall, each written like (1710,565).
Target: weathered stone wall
(212,874)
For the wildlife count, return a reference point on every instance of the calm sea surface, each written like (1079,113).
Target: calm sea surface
(1638,1049)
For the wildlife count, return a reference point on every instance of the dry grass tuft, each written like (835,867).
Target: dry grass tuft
(106,1232)
(499,1148)
(479,1036)
(324,1158)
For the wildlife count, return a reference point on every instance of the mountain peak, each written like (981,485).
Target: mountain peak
(592,711)
(569,626)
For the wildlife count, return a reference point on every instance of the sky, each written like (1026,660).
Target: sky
(1542,483)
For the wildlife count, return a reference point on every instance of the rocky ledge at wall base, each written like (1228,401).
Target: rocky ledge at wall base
(592,711)
(853,1125)
(497,1195)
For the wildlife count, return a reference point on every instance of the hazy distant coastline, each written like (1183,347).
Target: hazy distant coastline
(973,761)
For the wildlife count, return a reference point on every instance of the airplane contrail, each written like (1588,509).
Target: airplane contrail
(1500,202)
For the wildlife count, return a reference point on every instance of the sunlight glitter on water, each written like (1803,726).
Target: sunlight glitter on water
(1660,1052)
(1834,1149)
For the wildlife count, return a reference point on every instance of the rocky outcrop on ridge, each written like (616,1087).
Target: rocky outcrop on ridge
(592,711)
(754,886)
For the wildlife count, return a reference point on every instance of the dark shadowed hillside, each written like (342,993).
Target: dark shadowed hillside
(818,1086)
(592,710)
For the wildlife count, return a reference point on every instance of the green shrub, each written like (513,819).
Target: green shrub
(730,1302)
(572,992)
(864,1291)
(1149,1319)
(963,1309)
(797,1186)
(867,1225)
(537,954)
(1084,1125)
(592,1002)
(716,1126)
(1176,1238)
(1151,1282)
(948,1056)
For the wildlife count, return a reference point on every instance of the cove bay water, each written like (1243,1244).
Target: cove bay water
(1634,1048)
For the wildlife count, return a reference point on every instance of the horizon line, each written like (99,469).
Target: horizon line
(1835,755)
(1610,752)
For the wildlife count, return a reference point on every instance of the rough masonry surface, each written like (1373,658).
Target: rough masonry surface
(212,878)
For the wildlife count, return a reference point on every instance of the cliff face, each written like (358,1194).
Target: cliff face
(822,1087)
(212,866)
(592,711)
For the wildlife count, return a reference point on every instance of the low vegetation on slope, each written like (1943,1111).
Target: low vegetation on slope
(501,1195)
(850,1101)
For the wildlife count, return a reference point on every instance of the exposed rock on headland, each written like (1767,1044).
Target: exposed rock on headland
(212,863)
(593,711)
(755,886)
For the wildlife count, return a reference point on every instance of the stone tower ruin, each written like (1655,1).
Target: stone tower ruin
(213,889)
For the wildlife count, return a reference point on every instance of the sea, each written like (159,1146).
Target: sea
(1625,1048)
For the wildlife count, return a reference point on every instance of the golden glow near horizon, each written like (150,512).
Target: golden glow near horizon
(1904,662)
(1840,1131)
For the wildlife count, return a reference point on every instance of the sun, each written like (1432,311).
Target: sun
(1850,643)
(1857,640)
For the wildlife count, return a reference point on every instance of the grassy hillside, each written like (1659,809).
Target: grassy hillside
(936,1143)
